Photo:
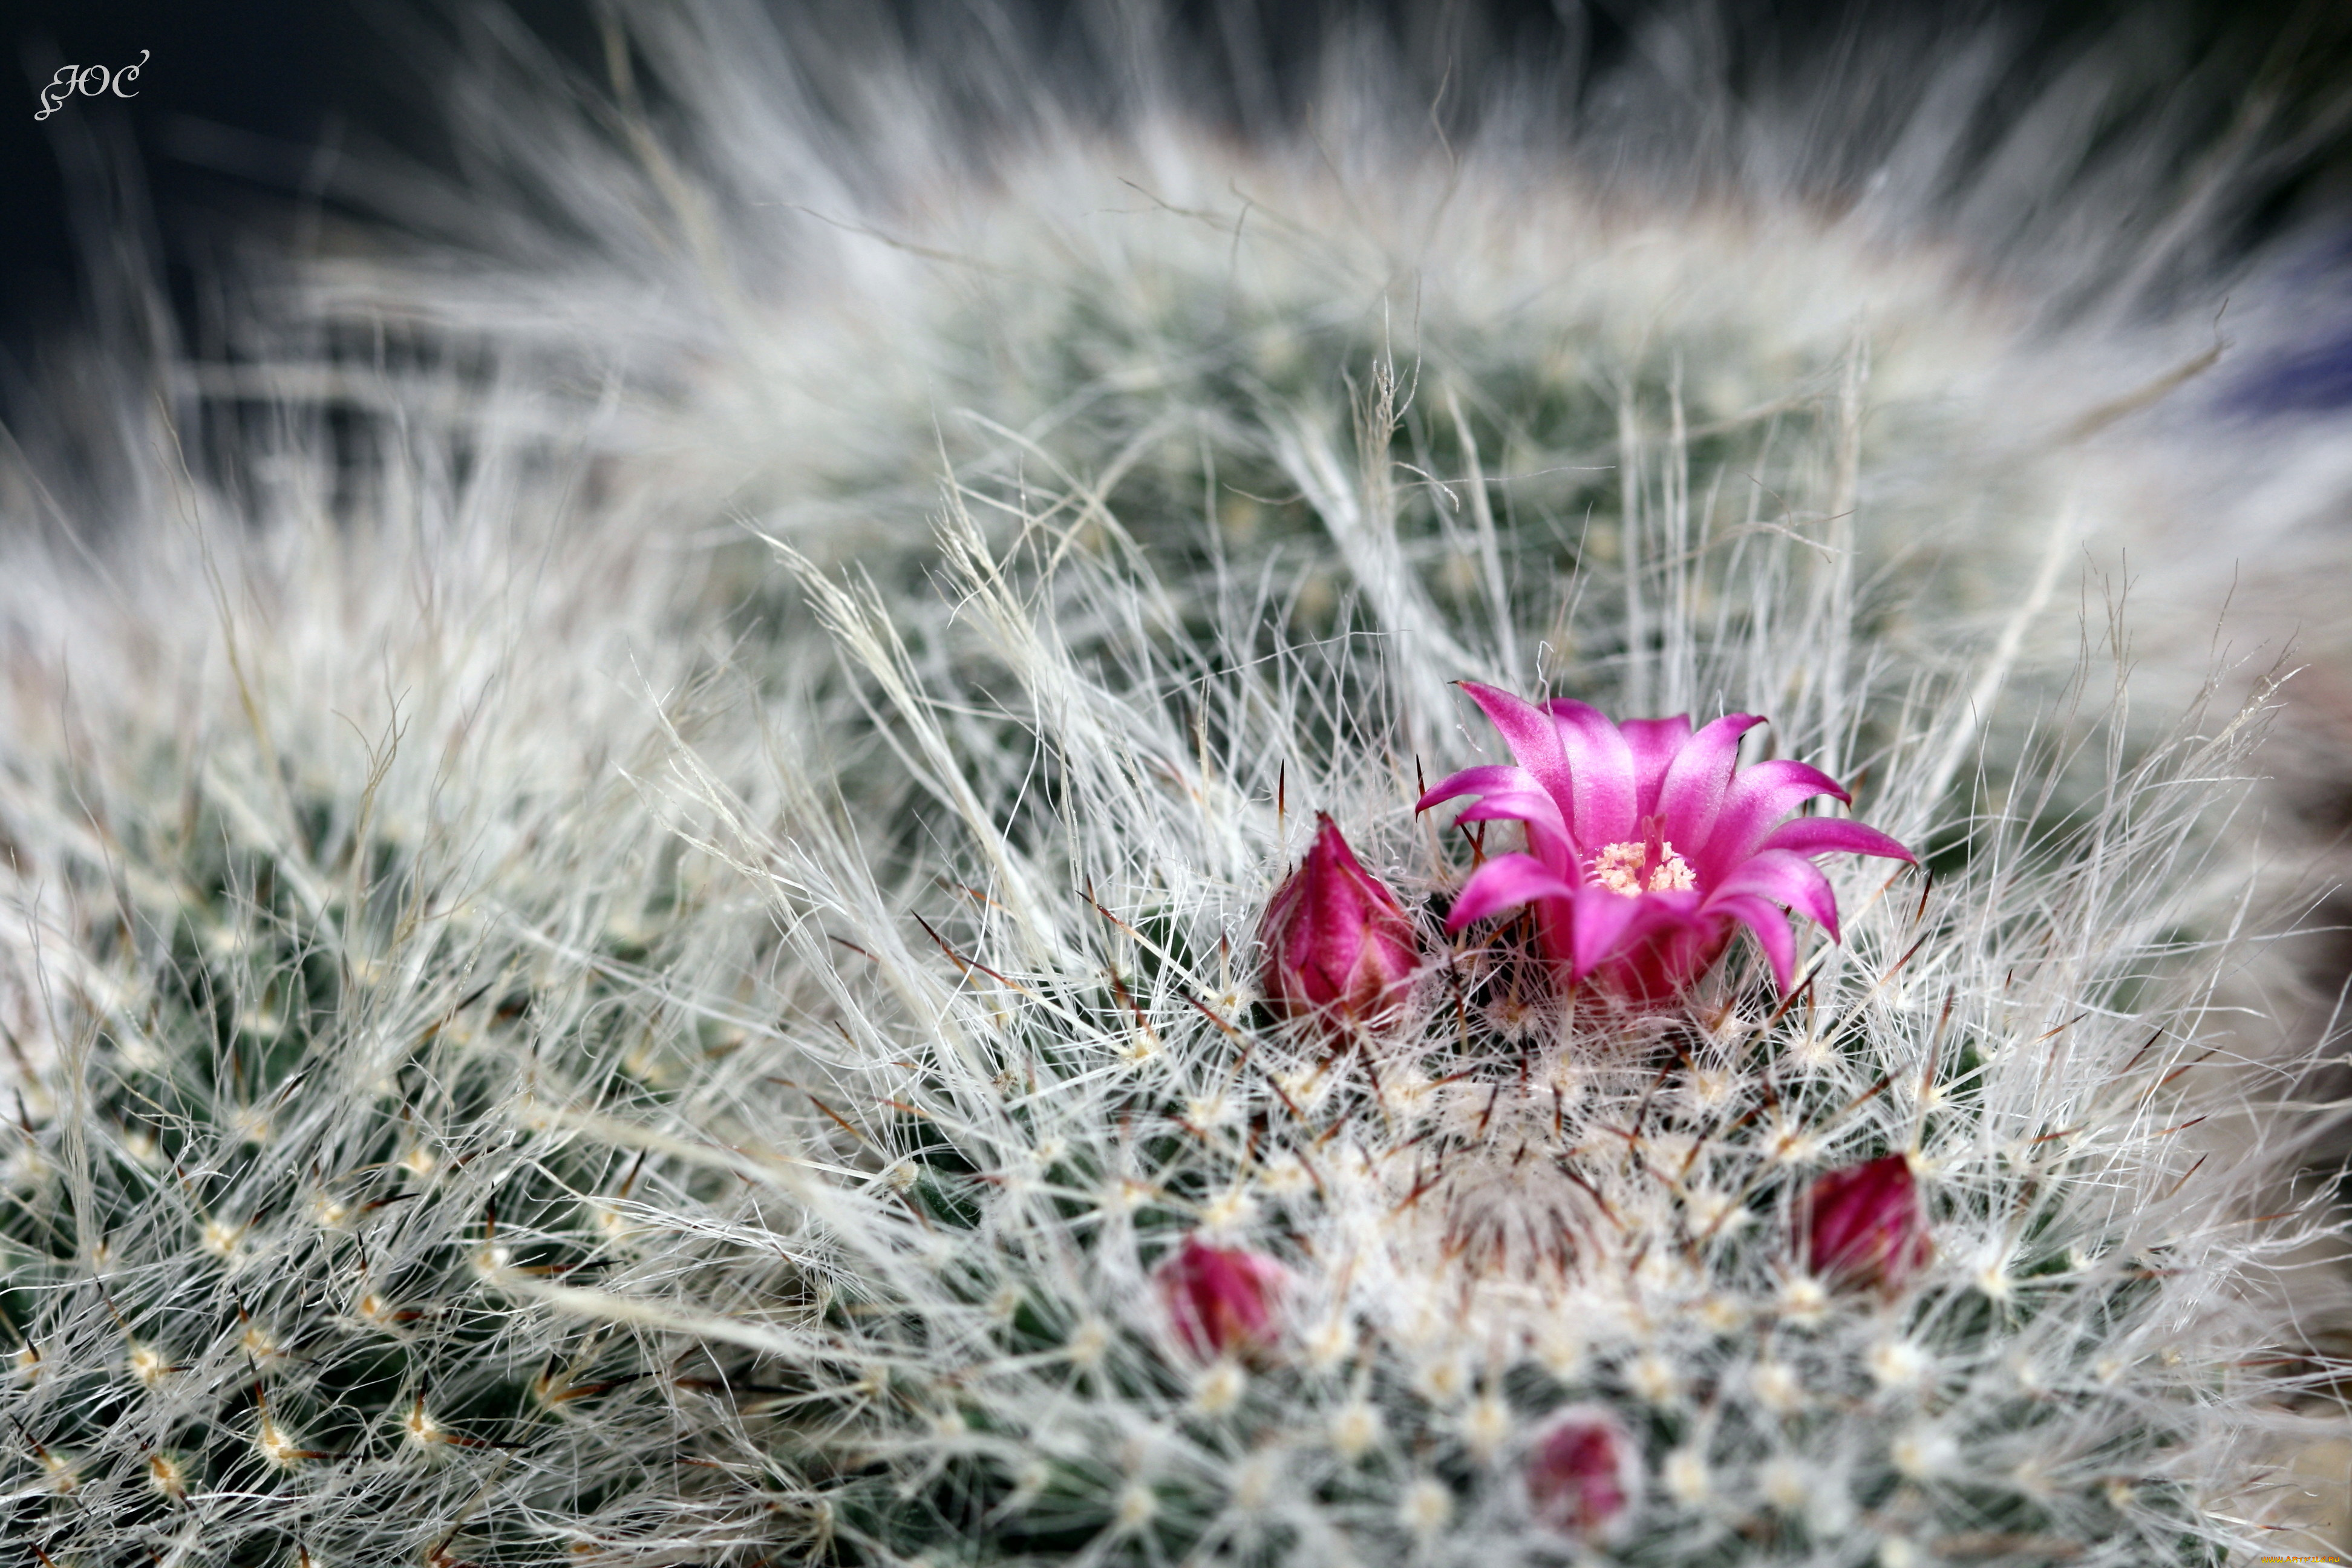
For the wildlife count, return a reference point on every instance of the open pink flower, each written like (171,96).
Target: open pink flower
(1647,844)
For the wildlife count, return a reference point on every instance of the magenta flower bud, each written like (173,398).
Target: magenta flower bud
(1582,1474)
(1337,942)
(1866,1226)
(1223,1300)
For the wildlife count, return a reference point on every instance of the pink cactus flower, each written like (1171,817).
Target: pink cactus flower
(1583,1474)
(1866,1226)
(1338,943)
(1223,1300)
(1646,844)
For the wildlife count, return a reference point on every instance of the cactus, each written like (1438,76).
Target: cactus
(671,964)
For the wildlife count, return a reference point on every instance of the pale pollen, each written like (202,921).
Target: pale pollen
(1786,1485)
(1897,1363)
(1227,1212)
(164,1473)
(150,1366)
(421,1428)
(1087,1343)
(1802,1300)
(1354,1429)
(1922,1456)
(1443,1380)
(1653,1377)
(1220,1389)
(1776,1388)
(1686,1476)
(1204,1111)
(1330,1344)
(1427,1508)
(1286,1176)
(1487,1426)
(1254,1484)
(1722,1313)
(1627,868)
(1136,1506)
(275,1447)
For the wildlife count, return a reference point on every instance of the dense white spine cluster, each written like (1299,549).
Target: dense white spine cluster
(653,958)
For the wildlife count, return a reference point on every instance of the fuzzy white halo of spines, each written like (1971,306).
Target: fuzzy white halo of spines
(675,947)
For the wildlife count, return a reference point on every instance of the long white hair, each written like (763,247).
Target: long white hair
(635,828)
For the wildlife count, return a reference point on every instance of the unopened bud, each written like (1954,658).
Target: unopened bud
(1337,942)
(1223,1300)
(1866,1226)
(1583,1474)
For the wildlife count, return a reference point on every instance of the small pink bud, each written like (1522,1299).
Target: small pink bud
(1582,1474)
(1864,1226)
(1337,940)
(1223,1300)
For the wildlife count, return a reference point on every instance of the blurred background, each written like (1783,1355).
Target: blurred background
(247,110)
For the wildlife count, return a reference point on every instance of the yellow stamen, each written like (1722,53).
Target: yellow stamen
(1619,868)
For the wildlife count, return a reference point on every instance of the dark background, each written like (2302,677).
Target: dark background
(156,182)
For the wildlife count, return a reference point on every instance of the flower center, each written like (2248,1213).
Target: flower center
(1632,867)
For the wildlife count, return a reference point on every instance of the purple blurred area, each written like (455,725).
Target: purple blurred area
(2313,378)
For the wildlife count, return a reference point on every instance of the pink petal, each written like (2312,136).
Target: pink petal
(1505,883)
(1509,794)
(1533,738)
(1600,929)
(1785,877)
(1692,793)
(1833,835)
(1600,810)
(1754,803)
(1477,781)
(1602,939)
(1654,742)
(1771,928)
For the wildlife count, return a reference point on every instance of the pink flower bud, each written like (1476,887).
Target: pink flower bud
(1582,1474)
(1221,1300)
(1864,1226)
(1337,940)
